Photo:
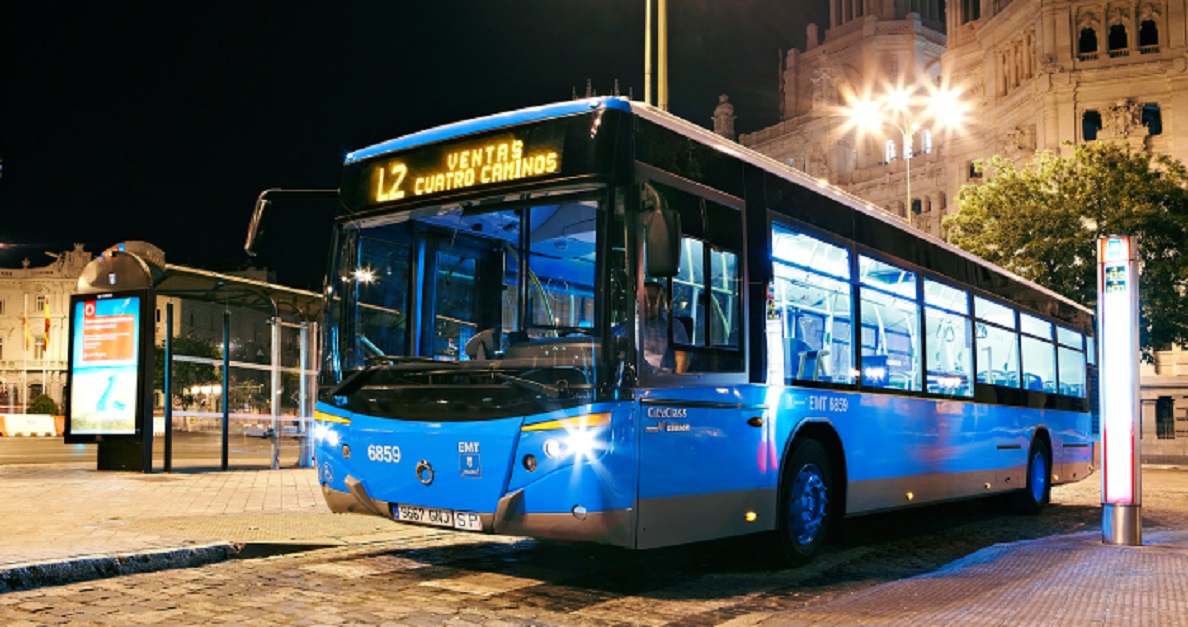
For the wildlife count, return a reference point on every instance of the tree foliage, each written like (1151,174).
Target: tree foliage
(1041,220)
(186,375)
(43,404)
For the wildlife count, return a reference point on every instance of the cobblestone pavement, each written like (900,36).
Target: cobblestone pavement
(439,577)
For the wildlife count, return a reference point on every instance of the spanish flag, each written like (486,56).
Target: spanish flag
(45,346)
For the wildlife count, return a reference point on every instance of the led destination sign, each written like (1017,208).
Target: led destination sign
(499,159)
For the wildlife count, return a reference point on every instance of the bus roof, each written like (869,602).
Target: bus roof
(663,118)
(478,125)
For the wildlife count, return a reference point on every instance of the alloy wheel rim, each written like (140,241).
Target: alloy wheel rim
(807,507)
(1039,477)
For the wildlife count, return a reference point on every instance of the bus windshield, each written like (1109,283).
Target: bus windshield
(482,311)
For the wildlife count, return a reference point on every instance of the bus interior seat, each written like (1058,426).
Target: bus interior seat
(810,364)
(483,345)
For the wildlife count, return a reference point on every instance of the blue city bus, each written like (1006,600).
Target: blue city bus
(594,321)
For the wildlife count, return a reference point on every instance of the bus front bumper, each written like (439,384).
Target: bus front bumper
(610,527)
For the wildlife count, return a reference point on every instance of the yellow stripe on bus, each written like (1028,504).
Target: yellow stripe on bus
(580,422)
(324,417)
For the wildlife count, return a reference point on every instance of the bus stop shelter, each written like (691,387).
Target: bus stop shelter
(241,383)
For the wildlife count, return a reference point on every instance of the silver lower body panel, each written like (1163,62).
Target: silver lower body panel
(614,527)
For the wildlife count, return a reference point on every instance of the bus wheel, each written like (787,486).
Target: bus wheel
(1039,479)
(804,502)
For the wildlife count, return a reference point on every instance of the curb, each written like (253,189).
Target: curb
(39,574)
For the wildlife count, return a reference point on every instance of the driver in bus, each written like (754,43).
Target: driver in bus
(659,356)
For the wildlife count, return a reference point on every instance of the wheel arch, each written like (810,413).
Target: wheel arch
(1042,434)
(824,433)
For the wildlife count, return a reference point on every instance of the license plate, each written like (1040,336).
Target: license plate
(466,521)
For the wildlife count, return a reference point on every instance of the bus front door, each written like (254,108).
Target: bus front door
(706,467)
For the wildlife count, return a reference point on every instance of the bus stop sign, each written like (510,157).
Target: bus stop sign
(1117,319)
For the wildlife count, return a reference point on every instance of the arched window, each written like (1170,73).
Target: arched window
(1090,124)
(1118,39)
(1148,34)
(1087,44)
(889,151)
(1152,119)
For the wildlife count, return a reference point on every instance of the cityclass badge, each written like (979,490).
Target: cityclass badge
(665,414)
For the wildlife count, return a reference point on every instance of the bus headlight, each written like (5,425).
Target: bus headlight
(323,433)
(553,448)
(578,437)
(583,443)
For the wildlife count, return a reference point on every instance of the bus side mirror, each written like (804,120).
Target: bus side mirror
(662,236)
(256,226)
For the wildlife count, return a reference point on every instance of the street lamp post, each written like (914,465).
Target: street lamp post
(907,112)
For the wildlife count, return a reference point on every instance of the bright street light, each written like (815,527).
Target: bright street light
(907,110)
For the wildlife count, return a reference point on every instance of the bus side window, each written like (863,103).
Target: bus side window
(811,296)
(948,339)
(707,290)
(997,360)
(890,326)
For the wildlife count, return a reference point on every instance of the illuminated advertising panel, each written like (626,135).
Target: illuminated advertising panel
(106,366)
(1118,334)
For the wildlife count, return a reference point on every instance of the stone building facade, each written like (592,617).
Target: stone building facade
(869,47)
(33,299)
(1033,75)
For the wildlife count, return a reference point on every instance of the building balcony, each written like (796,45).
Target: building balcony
(32,365)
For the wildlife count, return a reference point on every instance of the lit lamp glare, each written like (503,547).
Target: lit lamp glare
(364,275)
(905,111)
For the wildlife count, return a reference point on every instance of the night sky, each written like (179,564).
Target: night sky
(163,122)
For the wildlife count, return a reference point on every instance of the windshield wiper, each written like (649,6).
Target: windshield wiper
(551,391)
(406,364)
(392,360)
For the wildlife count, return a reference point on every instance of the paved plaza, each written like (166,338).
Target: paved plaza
(121,548)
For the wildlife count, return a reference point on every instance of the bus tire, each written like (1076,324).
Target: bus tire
(1039,479)
(806,513)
